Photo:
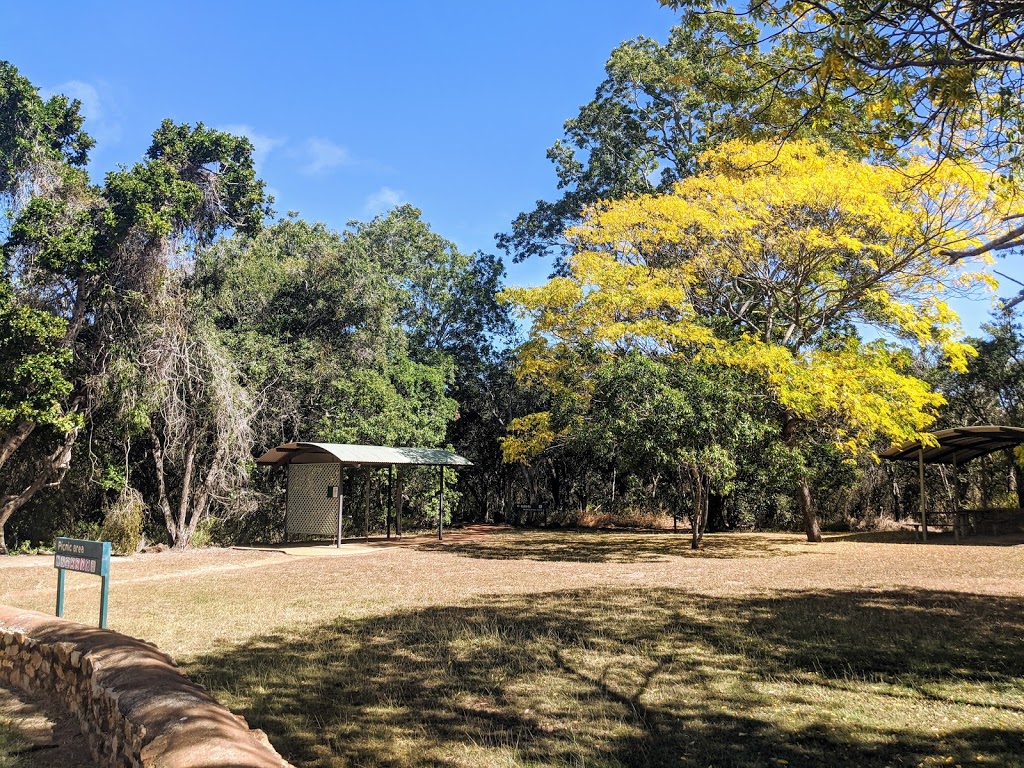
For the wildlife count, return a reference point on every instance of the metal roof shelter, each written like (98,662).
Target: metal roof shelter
(316,473)
(954,446)
(360,455)
(959,445)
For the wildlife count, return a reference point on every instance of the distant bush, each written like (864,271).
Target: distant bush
(211,532)
(123,522)
(83,529)
(595,517)
(254,517)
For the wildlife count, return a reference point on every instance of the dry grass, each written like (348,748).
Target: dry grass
(11,741)
(595,648)
(34,734)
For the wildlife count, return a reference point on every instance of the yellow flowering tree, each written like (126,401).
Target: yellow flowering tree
(814,272)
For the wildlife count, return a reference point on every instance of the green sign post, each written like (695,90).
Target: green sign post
(83,556)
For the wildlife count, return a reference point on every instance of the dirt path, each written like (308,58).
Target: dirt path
(245,558)
(42,736)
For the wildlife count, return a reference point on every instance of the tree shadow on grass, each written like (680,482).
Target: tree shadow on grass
(935,538)
(636,677)
(610,546)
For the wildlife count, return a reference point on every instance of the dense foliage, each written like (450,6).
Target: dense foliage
(759,224)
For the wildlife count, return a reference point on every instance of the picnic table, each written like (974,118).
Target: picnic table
(967,522)
(991,518)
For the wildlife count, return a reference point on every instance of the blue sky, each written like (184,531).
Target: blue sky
(352,107)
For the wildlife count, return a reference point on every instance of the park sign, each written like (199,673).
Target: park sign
(83,556)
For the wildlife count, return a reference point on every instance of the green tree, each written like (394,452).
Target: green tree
(765,263)
(991,390)
(42,149)
(446,298)
(321,324)
(659,108)
(690,424)
(35,362)
(944,76)
(315,322)
(447,307)
(94,258)
(39,140)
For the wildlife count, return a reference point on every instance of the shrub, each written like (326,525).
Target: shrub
(209,532)
(123,522)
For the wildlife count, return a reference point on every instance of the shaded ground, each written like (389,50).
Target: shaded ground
(612,648)
(609,546)
(34,734)
(645,677)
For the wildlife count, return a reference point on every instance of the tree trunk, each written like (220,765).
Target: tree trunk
(1018,478)
(557,483)
(15,440)
(790,434)
(185,501)
(53,470)
(163,500)
(716,513)
(807,508)
(200,510)
(699,515)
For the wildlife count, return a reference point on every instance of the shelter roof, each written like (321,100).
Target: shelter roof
(959,445)
(359,455)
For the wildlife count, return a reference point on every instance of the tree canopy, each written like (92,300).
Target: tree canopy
(768,262)
(942,80)
(90,262)
(759,225)
(661,106)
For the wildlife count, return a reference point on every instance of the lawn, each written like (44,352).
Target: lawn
(594,648)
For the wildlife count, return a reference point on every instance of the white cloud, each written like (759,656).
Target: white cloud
(99,122)
(384,199)
(322,155)
(262,144)
(86,93)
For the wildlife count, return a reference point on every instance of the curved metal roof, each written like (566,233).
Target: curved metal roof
(359,455)
(959,445)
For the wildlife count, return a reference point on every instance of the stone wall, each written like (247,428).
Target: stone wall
(135,708)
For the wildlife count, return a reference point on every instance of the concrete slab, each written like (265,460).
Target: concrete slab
(361,546)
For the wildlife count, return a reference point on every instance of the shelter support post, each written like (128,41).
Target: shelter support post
(341,503)
(367,480)
(391,493)
(920,475)
(287,485)
(958,519)
(440,506)
(398,503)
